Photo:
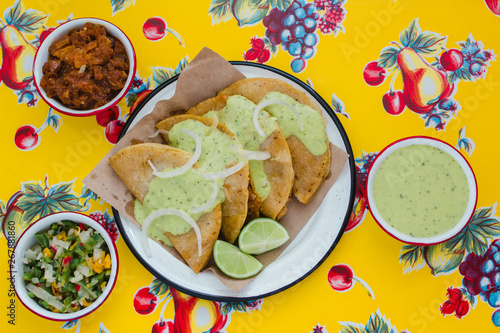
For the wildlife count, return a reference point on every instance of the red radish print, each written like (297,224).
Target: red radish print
(144,301)
(373,74)
(155,29)
(27,138)
(462,309)
(451,60)
(108,115)
(454,295)
(341,278)
(113,130)
(258,51)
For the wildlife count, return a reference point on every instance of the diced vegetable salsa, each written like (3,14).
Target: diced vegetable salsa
(68,269)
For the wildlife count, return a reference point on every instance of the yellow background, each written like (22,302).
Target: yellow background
(410,301)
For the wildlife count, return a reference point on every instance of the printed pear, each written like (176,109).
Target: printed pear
(423,84)
(18,56)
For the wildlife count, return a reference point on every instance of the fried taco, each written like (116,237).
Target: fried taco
(301,122)
(271,179)
(136,165)
(219,149)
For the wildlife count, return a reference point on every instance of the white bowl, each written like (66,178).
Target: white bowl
(27,240)
(42,56)
(421,140)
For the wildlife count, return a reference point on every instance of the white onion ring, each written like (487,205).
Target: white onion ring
(157,132)
(272,101)
(224,173)
(47,297)
(168,211)
(183,169)
(209,203)
(212,128)
(251,154)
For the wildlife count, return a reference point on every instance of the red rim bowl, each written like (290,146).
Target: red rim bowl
(42,56)
(27,240)
(422,140)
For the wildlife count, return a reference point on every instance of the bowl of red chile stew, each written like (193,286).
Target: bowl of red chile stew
(84,67)
(421,190)
(97,237)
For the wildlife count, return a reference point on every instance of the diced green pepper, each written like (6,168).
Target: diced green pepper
(43,240)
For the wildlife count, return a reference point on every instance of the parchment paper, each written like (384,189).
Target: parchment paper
(207,74)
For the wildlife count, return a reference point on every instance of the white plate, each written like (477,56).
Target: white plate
(308,250)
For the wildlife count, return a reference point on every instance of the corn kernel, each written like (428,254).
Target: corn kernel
(47,253)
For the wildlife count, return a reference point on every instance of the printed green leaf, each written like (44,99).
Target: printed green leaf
(162,74)
(58,198)
(280,4)
(103,329)
(119,5)
(428,43)
(441,259)
(411,257)
(70,324)
(478,233)
(346,327)
(408,36)
(377,324)
(220,10)
(2,209)
(158,288)
(54,121)
(388,57)
(26,21)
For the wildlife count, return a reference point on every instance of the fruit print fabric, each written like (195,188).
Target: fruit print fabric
(336,49)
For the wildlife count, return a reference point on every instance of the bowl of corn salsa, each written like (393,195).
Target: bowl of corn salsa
(66,265)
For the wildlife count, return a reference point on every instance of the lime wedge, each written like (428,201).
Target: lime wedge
(262,235)
(234,263)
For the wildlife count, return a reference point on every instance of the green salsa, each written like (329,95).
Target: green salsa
(238,116)
(421,191)
(313,135)
(190,189)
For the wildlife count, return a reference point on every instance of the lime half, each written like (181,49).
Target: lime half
(262,235)
(234,263)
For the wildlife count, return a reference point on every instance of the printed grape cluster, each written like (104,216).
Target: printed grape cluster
(482,274)
(295,30)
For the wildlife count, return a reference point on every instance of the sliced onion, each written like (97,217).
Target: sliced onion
(157,133)
(82,69)
(56,242)
(46,296)
(214,125)
(209,203)
(84,236)
(168,211)
(251,154)
(272,101)
(183,169)
(224,173)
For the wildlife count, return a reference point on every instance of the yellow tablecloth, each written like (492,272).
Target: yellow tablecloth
(416,289)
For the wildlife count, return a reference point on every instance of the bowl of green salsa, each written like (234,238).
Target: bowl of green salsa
(66,265)
(421,190)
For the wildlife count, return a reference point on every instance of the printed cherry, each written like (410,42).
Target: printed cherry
(373,74)
(163,327)
(341,278)
(26,137)
(155,28)
(144,301)
(451,60)
(393,102)
(108,115)
(113,129)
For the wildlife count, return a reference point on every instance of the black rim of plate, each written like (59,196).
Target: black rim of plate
(347,144)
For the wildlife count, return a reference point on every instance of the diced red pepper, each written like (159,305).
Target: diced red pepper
(82,226)
(67,261)
(77,287)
